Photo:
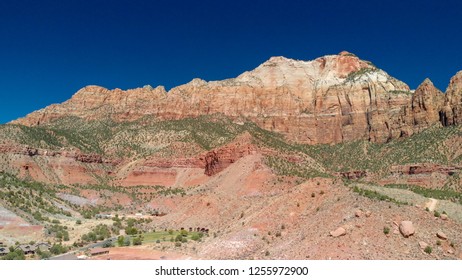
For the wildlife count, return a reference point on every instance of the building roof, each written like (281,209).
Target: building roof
(67,257)
(43,244)
(26,247)
(4,250)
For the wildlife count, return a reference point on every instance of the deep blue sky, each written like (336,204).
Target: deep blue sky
(50,49)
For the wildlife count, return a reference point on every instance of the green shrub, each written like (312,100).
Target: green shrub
(428,250)
(195,236)
(127,242)
(131,230)
(386,230)
(58,249)
(15,255)
(137,241)
(120,241)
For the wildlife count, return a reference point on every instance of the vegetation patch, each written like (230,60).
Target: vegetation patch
(442,194)
(286,168)
(376,196)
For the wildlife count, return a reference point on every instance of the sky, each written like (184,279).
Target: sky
(51,49)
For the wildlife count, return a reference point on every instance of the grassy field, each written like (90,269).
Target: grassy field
(176,236)
(163,236)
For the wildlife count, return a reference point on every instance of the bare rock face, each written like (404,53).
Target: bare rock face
(89,158)
(212,163)
(218,159)
(406,228)
(452,111)
(353,175)
(426,103)
(331,99)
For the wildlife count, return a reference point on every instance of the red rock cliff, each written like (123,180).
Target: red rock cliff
(331,99)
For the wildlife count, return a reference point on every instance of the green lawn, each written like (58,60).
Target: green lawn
(150,237)
(163,236)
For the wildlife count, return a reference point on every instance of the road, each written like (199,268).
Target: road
(84,248)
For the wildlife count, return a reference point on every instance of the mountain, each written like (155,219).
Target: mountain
(332,99)
(274,162)
(142,135)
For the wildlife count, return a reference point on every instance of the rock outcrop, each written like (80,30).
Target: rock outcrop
(218,159)
(426,104)
(452,111)
(75,155)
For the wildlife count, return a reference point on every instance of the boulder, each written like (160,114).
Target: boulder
(441,235)
(423,245)
(406,228)
(338,232)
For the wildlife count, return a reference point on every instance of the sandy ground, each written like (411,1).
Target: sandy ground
(13,228)
(76,231)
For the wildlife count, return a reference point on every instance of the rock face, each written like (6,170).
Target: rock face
(421,174)
(452,111)
(426,103)
(331,99)
(218,159)
(406,228)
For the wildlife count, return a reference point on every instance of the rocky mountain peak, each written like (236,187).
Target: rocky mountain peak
(197,82)
(327,70)
(455,84)
(92,89)
(346,53)
(452,113)
(427,81)
(427,96)
(276,59)
(427,86)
